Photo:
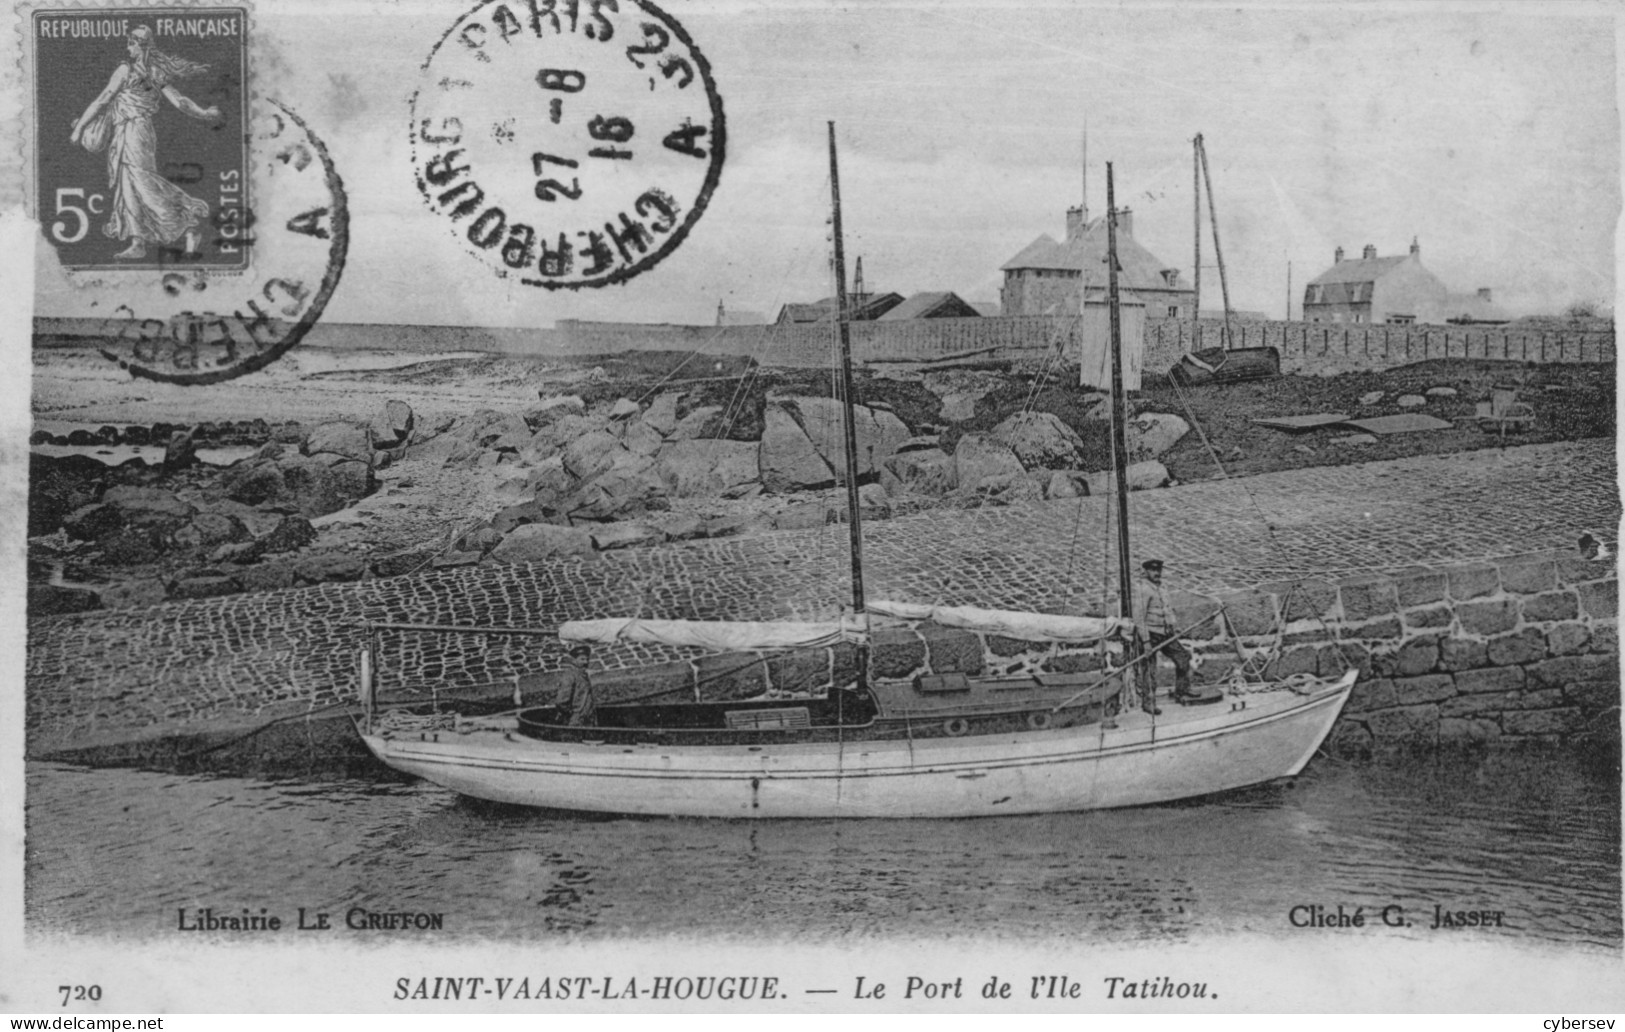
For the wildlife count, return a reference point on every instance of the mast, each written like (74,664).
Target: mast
(1125,584)
(1218,253)
(847,392)
(1196,263)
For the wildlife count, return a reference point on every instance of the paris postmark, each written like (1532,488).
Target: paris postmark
(568,144)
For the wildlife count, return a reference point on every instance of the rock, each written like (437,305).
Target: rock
(340,437)
(641,438)
(204,587)
(661,415)
(208,529)
(788,460)
(1151,434)
(392,426)
(1141,476)
(617,494)
(706,467)
(266,577)
(925,442)
(725,526)
(323,483)
(556,405)
(958,407)
(483,538)
(878,433)
(508,428)
(1371,398)
(253,481)
(133,594)
(550,482)
(1040,440)
(979,457)
(536,541)
(81,438)
(291,532)
(517,516)
(738,491)
(625,535)
(138,435)
(1145,476)
(1303,449)
(58,599)
(804,516)
(1411,401)
(330,566)
(1065,485)
(680,526)
(181,450)
(1354,439)
(238,552)
(1441,392)
(93,522)
(514,439)
(624,408)
(132,546)
(929,473)
(703,422)
(454,559)
(149,506)
(591,454)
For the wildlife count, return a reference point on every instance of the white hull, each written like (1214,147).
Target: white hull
(1187,752)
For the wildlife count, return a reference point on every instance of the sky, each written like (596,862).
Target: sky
(1488,133)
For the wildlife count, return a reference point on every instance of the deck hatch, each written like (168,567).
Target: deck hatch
(768,719)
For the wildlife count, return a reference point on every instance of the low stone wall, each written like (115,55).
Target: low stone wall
(1503,653)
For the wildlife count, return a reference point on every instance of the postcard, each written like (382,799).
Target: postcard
(691,506)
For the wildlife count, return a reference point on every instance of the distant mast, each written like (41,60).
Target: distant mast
(848,394)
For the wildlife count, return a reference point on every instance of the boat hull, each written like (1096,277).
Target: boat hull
(1187,753)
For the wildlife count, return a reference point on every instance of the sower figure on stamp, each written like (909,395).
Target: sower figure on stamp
(575,698)
(146,206)
(1154,625)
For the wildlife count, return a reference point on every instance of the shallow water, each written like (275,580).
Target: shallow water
(122,852)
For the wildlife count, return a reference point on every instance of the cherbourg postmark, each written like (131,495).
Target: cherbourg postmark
(570,144)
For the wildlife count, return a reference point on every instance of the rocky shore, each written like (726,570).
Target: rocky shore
(456,461)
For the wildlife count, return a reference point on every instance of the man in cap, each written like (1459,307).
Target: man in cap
(575,688)
(1155,627)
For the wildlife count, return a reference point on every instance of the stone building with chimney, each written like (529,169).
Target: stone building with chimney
(1048,277)
(1395,289)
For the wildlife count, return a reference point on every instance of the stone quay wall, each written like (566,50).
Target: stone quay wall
(1519,651)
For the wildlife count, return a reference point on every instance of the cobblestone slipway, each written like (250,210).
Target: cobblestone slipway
(105,677)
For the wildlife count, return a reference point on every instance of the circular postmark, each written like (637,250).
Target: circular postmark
(184,323)
(570,143)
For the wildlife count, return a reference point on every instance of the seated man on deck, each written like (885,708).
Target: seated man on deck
(575,698)
(1154,626)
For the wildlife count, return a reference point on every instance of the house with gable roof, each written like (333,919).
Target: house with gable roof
(1393,289)
(1048,277)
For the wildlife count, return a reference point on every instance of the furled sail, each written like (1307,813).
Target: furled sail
(718,635)
(1011,623)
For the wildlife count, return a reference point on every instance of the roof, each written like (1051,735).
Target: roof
(1359,270)
(932,305)
(859,307)
(1138,268)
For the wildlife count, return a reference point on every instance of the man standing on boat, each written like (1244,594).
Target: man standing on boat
(1154,626)
(575,688)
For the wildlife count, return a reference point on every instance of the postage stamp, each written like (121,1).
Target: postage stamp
(141,135)
(569,144)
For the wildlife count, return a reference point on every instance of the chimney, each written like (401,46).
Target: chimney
(1337,256)
(1416,248)
(1484,293)
(1125,222)
(1370,251)
(1074,222)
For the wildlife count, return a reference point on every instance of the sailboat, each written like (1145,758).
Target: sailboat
(935,745)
